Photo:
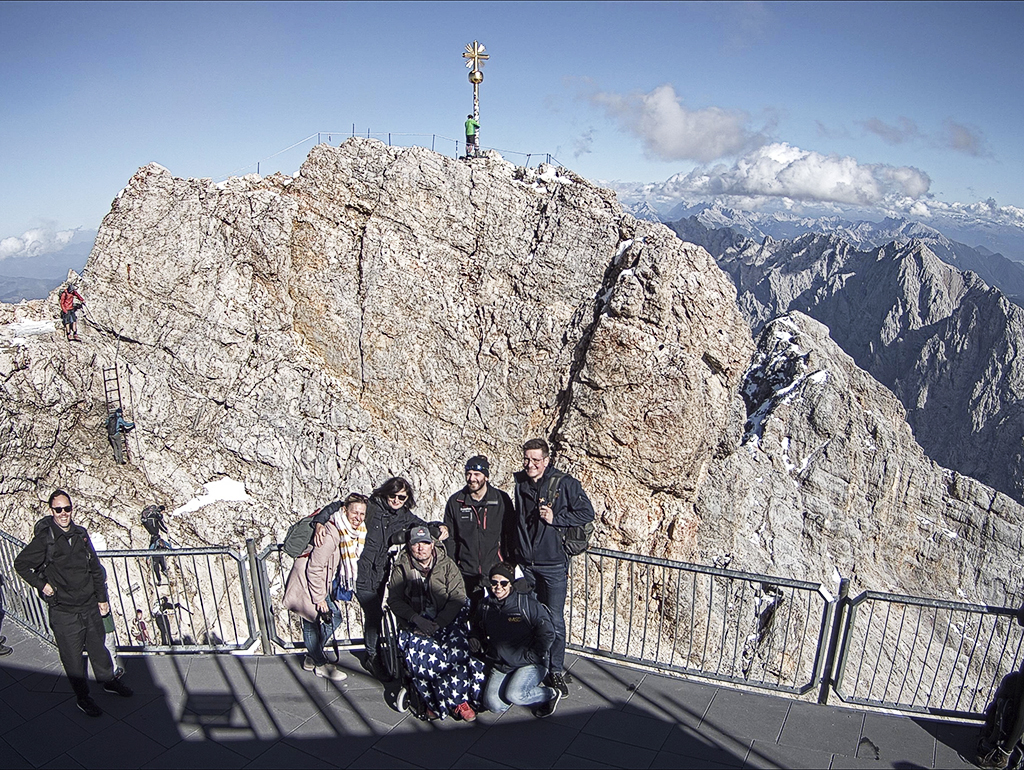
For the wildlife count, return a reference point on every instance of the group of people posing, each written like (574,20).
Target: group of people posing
(479,596)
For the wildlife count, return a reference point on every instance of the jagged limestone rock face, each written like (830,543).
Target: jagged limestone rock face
(385,312)
(829,481)
(392,311)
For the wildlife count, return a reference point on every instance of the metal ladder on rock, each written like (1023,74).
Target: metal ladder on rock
(112,393)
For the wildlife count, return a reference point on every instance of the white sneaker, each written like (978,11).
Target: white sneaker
(308,664)
(330,671)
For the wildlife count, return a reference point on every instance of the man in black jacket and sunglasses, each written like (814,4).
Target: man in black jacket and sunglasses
(61,564)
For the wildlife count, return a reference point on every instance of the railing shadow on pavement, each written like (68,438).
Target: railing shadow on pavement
(875,651)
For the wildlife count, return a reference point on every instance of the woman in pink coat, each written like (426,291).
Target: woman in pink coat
(308,590)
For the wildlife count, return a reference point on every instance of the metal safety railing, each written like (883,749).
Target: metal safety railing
(876,650)
(20,602)
(757,630)
(182,599)
(925,655)
(284,628)
(436,142)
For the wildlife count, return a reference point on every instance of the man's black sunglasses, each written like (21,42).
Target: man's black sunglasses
(59,509)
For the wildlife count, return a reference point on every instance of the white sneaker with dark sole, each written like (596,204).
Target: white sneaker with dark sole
(330,671)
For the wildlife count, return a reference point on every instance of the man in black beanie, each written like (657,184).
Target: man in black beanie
(478,517)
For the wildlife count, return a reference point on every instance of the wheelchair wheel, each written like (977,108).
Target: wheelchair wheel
(402,700)
(390,655)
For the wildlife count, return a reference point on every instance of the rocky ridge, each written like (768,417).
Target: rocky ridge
(392,311)
(940,338)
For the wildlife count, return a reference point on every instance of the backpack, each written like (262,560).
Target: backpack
(1003,721)
(575,540)
(299,536)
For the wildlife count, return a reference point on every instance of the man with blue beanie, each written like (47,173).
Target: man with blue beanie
(478,518)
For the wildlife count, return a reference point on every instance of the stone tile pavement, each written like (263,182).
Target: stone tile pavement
(229,711)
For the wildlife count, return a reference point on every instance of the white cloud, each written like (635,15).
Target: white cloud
(780,170)
(906,131)
(671,131)
(38,240)
(987,211)
(965,139)
(583,144)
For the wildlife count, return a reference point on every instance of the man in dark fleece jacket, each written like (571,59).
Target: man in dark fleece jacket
(518,634)
(540,530)
(478,518)
(62,565)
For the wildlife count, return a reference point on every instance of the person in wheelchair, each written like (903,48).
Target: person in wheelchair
(428,597)
(516,632)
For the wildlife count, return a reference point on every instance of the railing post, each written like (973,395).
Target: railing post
(259,598)
(432,136)
(827,679)
(353,129)
(318,137)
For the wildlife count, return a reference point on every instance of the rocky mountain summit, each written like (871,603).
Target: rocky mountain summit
(393,311)
(941,339)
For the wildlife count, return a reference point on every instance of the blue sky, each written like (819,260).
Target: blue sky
(919,101)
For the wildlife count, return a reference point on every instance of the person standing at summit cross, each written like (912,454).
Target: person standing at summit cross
(546,502)
(472,146)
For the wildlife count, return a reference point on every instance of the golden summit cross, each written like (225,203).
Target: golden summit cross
(474,55)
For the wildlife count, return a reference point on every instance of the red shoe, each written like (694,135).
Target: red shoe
(464,712)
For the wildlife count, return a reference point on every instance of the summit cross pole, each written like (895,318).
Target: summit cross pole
(475,58)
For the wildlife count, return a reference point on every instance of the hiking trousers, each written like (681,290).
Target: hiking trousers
(78,631)
(551,581)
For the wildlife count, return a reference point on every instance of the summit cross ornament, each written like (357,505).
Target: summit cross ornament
(475,58)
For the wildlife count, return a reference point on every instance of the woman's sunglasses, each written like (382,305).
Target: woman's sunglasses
(501,583)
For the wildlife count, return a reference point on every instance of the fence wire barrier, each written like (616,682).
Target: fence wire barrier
(926,655)
(21,603)
(189,600)
(284,627)
(755,630)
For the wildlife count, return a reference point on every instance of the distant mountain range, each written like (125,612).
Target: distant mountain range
(985,227)
(36,270)
(943,340)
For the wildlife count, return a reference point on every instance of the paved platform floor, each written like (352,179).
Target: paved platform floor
(223,711)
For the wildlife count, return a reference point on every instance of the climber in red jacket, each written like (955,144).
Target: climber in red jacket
(67,311)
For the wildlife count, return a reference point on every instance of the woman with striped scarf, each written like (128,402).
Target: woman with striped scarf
(324,575)
(351,524)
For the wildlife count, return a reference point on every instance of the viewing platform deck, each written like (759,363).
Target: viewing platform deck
(228,711)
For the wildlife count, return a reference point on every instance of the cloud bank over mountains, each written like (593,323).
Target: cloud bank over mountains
(745,167)
(38,241)
(783,171)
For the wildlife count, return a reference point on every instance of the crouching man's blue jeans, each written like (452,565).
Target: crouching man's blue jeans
(519,687)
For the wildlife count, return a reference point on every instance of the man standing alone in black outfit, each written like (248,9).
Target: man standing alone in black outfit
(477,517)
(548,501)
(61,564)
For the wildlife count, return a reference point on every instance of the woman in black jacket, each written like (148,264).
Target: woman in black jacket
(388,517)
(518,633)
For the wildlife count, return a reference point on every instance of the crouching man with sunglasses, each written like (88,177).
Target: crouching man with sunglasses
(516,633)
(62,565)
